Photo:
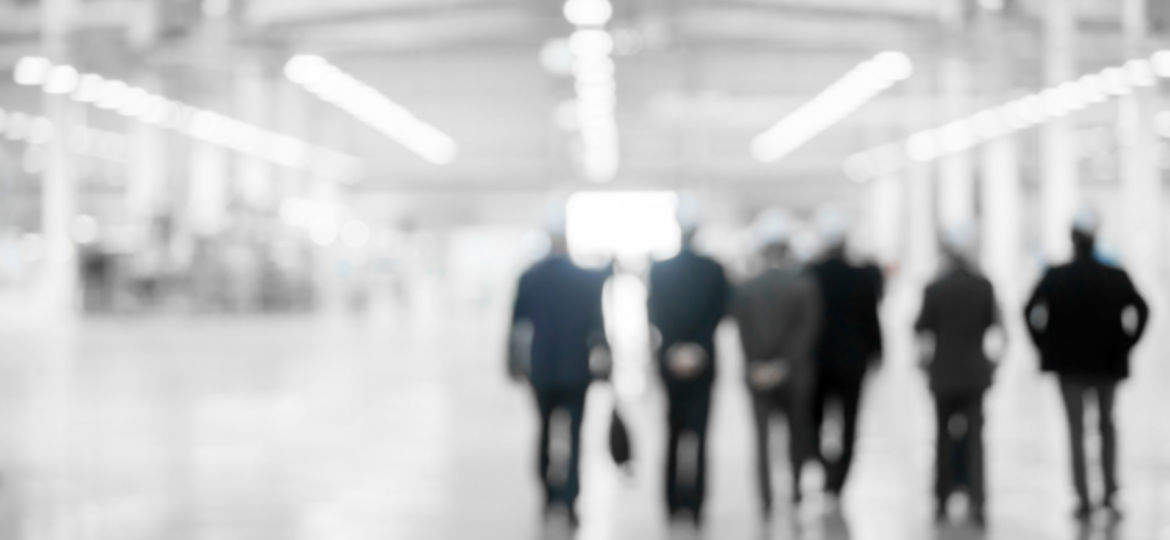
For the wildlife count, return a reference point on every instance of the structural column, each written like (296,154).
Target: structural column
(1058,149)
(1141,193)
(956,190)
(1002,227)
(58,288)
(920,229)
(957,170)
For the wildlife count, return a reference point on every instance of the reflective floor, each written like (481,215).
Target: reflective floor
(404,427)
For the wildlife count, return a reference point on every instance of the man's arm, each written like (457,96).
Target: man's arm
(520,333)
(925,327)
(1036,314)
(600,359)
(995,340)
(1142,309)
(875,323)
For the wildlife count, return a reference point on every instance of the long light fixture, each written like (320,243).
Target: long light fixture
(204,125)
(1008,118)
(363,102)
(594,72)
(856,88)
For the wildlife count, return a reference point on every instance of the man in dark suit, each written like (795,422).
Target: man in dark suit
(850,342)
(558,345)
(778,313)
(958,312)
(1085,317)
(687,300)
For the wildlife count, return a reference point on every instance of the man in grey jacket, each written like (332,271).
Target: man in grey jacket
(778,312)
(958,313)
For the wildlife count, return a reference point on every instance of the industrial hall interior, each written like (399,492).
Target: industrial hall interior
(585,269)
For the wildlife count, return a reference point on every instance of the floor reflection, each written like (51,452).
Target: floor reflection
(307,429)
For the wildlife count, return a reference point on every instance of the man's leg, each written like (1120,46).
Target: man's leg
(798,401)
(973,408)
(1106,393)
(545,405)
(574,405)
(761,411)
(1073,394)
(944,469)
(700,414)
(850,394)
(816,417)
(674,432)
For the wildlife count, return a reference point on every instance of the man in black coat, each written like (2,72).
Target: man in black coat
(1085,317)
(958,311)
(849,343)
(687,300)
(557,344)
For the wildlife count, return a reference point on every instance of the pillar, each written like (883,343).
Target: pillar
(58,289)
(1058,149)
(1140,181)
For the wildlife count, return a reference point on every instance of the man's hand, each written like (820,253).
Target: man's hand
(686,360)
(924,346)
(767,375)
(601,362)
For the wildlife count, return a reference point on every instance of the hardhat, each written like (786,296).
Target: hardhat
(773,226)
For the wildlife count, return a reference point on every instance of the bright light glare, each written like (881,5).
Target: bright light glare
(588,12)
(1117,81)
(62,79)
(1141,72)
(603,224)
(144,106)
(1162,124)
(363,102)
(1161,63)
(856,88)
(31,71)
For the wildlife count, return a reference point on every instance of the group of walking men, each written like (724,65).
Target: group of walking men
(810,333)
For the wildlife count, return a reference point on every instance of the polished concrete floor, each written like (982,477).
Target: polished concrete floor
(403,426)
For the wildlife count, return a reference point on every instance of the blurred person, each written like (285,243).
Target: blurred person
(557,343)
(778,313)
(687,299)
(958,316)
(1085,317)
(850,342)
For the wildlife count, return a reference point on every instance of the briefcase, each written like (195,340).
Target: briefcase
(619,440)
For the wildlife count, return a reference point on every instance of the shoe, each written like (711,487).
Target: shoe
(1115,514)
(1083,512)
(940,513)
(978,518)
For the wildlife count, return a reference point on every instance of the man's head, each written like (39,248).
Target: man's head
(688,214)
(832,227)
(960,243)
(773,231)
(1084,231)
(554,226)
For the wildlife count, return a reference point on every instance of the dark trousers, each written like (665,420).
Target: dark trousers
(959,453)
(792,401)
(688,410)
(563,485)
(846,390)
(1075,391)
